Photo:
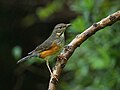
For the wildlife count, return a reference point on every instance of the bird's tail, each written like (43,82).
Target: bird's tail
(27,58)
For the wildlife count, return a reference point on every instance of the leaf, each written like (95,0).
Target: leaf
(78,24)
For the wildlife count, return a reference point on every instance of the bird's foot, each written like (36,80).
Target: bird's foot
(54,76)
(61,57)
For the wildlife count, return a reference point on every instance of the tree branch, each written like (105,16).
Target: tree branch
(77,41)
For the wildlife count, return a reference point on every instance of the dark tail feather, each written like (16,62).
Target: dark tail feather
(25,58)
(30,52)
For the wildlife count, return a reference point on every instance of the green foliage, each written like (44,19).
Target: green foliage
(47,11)
(94,63)
(17,52)
(80,5)
(78,24)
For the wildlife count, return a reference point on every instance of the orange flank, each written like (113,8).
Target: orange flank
(52,50)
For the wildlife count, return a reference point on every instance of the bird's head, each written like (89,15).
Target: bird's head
(60,28)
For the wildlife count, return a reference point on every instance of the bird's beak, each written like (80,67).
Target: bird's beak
(67,25)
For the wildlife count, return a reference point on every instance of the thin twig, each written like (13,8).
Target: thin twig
(77,41)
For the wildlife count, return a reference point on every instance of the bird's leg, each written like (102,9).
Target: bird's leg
(47,63)
(52,75)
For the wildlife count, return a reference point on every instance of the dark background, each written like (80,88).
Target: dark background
(24,24)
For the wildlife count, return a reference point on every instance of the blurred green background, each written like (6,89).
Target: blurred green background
(24,24)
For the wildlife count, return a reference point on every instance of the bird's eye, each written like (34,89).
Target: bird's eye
(60,27)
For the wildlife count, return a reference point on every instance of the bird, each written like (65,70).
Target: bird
(50,46)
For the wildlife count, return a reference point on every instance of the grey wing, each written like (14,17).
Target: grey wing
(44,46)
